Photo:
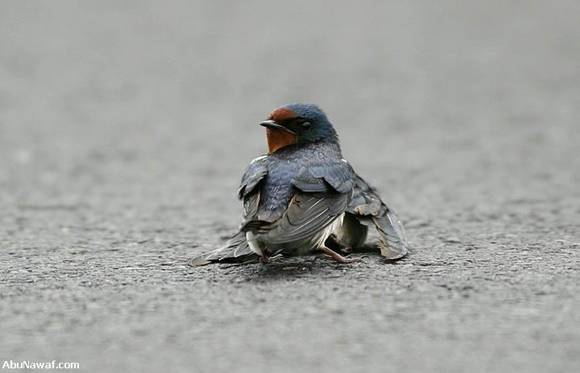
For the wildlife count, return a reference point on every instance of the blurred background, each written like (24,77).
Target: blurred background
(124,129)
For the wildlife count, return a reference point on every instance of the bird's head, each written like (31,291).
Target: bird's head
(297,124)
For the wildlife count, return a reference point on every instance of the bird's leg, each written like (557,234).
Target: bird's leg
(337,257)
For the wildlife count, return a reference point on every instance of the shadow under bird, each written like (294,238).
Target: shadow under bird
(303,197)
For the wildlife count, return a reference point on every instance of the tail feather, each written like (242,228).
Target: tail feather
(236,250)
(393,241)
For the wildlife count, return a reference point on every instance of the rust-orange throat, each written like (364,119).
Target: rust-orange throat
(278,139)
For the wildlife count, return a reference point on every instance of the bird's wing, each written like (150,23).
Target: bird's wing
(235,250)
(307,214)
(323,191)
(321,194)
(334,176)
(368,207)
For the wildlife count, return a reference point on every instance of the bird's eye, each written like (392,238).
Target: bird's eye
(305,124)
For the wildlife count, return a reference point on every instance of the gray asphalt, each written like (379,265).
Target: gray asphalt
(124,129)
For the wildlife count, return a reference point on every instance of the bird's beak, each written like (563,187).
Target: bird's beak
(275,126)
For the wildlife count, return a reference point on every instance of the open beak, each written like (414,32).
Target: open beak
(275,126)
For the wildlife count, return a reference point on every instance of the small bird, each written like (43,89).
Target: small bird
(303,197)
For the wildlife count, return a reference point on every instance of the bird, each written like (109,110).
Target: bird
(303,197)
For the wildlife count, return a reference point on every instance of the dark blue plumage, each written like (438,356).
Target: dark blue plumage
(309,168)
(303,196)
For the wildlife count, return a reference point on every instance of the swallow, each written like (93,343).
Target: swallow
(303,197)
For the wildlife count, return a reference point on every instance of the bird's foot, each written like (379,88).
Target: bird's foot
(337,257)
(264,259)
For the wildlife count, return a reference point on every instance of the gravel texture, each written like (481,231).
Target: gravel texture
(124,129)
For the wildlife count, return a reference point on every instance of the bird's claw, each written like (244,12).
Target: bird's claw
(339,258)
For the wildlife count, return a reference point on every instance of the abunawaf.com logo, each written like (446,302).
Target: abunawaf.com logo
(25,364)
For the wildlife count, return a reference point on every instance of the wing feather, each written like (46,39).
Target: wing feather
(307,214)
(235,250)
(368,207)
